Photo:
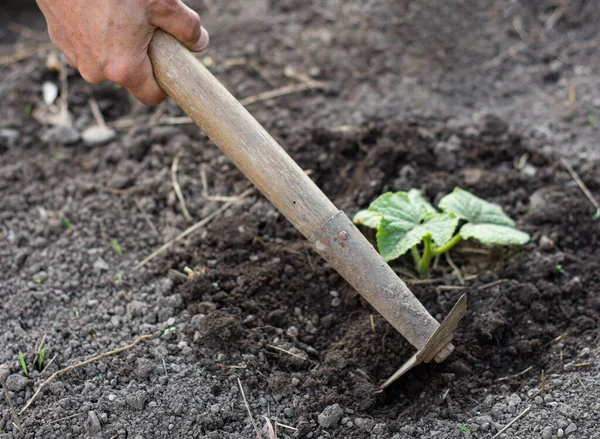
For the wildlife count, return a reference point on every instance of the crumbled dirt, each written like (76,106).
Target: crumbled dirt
(406,108)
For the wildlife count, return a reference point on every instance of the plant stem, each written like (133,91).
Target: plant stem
(416,256)
(428,253)
(448,246)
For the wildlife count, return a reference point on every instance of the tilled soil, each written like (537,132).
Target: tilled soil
(261,309)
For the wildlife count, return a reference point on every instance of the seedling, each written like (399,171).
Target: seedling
(23,364)
(117,247)
(39,364)
(465,429)
(405,221)
(68,223)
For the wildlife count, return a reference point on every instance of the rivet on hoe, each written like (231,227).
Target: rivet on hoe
(260,158)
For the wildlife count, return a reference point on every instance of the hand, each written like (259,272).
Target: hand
(108,39)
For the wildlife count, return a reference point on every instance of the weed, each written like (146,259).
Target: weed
(117,247)
(465,429)
(591,120)
(68,223)
(23,364)
(404,220)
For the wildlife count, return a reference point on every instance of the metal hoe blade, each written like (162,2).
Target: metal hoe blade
(440,339)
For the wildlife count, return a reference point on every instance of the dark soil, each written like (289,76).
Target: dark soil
(263,306)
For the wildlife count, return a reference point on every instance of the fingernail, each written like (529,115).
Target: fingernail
(202,41)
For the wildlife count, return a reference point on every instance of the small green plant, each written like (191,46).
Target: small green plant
(40,357)
(404,220)
(117,247)
(591,120)
(68,223)
(465,429)
(23,364)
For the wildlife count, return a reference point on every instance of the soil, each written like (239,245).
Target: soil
(417,98)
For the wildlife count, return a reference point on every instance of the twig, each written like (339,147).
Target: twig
(582,186)
(66,417)
(457,271)
(583,364)
(283,91)
(582,385)
(372,322)
(193,228)
(271,430)
(49,363)
(165,367)
(248,409)
(287,352)
(177,188)
(145,215)
(523,413)
(493,284)
(97,113)
(424,281)
(450,288)
(506,378)
(16,417)
(555,17)
(78,365)
(278,424)
(205,193)
(509,53)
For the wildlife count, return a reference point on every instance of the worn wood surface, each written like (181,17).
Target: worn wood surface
(241,138)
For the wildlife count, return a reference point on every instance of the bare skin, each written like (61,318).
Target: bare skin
(107,40)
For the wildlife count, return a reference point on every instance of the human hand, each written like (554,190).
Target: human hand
(108,39)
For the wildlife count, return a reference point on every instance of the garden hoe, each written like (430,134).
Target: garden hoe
(248,145)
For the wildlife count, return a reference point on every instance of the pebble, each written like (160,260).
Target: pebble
(100,265)
(514,399)
(16,382)
(144,367)
(10,135)
(136,308)
(137,400)
(93,422)
(547,433)
(546,243)
(571,428)
(560,433)
(330,416)
(61,135)
(96,135)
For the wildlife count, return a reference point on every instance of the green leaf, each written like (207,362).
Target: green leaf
(467,206)
(494,234)
(396,237)
(23,364)
(487,222)
(116,247)
(367,218)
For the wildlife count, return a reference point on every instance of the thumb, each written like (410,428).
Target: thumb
(177,19)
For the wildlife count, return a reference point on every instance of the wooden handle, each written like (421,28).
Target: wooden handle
(241,138)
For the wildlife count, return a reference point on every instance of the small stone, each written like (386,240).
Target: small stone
(136,400)
(4,373)
(547,433)
(335,302)
(10,135)
(539,400)
(330,416)
(136,308)
(585,352)
(100,265)
(61,135)
(560,433)
(16,382)
(97,135)
(93,422)
(546,243)
(571,429)
(144,367)
(514,399)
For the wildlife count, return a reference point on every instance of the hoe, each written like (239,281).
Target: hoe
(333,235)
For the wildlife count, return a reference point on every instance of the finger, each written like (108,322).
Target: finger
(175,18)
(137,79)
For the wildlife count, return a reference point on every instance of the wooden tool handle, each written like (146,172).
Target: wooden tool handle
(238,135)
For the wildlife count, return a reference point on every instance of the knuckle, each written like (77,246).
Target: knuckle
(117,71)
(162,7)
(90,75)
